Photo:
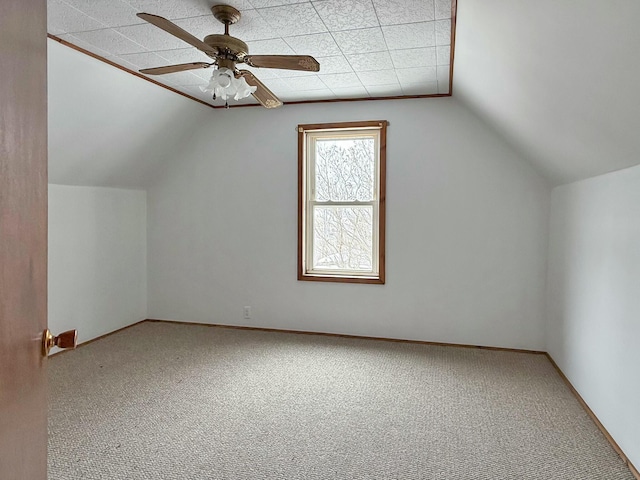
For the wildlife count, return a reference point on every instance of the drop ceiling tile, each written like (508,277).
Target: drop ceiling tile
(113,13)
(151,37)
(260,73)
(443,79)
(414,57)
(68,37)
(184,78)
(273,3)
(275,46)
(200,26)
(144,60)
(318,44)
(364,62)
(203,73)
(251,26)
(443,55)
(63,18)
(443,32)
(334,64)
(413,35)
(302,95)
(381,77)
(350,92)
(394,12)
(292,73)
(305,83)
(416,75)
(292,20)
(276,85)
(341,80)
(361,41)
(424,88)
(390,90)
(183,55)
(241,5)
(111,41)
(340,15)
(182,9)
(443,9)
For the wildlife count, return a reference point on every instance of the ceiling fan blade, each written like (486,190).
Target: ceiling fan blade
(176,31)
(175,68)
(286,62)
(265,96)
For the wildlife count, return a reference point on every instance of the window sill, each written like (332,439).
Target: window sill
(340,278)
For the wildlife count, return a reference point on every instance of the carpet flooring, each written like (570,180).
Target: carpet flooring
(189,402)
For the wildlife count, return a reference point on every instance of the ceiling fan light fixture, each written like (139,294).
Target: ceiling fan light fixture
(244,90)
(224,84)
(227,51)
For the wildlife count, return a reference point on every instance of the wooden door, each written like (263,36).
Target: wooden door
(23,239)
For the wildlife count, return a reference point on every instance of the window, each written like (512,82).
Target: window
(341,201)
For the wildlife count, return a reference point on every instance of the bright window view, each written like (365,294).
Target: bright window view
(342,202)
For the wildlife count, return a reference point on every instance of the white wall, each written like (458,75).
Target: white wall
(467,224)
(107,127)
(558,79)
(97,259)
(593,329)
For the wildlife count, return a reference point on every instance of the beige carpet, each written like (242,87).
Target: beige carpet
(165,401)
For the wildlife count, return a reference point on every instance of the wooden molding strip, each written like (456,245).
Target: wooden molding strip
(454,13)
(338,100)
(595,419)
(343,335)
(97,338)
(125,69)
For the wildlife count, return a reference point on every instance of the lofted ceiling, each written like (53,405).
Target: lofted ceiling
(558,80)
(366,48)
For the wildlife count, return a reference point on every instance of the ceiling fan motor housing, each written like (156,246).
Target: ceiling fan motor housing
(227,43)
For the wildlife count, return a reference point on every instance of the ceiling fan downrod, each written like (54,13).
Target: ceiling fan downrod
(226,14)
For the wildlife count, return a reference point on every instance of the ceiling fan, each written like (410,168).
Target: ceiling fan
(227,51)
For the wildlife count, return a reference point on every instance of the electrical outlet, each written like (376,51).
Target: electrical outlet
(247,313)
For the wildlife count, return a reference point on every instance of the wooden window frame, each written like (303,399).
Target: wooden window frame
(302,203)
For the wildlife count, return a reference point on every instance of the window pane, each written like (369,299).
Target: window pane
(345,169)
(342,238)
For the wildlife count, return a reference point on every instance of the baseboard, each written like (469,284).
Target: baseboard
(616,447)
(343,335)
(97,338)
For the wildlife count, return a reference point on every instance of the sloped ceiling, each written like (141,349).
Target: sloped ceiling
(109,128)
(559,79)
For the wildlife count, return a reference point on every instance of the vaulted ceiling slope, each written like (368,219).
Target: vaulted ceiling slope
(559,79)
(109,128)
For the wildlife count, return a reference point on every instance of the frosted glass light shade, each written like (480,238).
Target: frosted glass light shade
(224,84)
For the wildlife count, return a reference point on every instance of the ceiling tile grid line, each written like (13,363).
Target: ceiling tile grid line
(368,47)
